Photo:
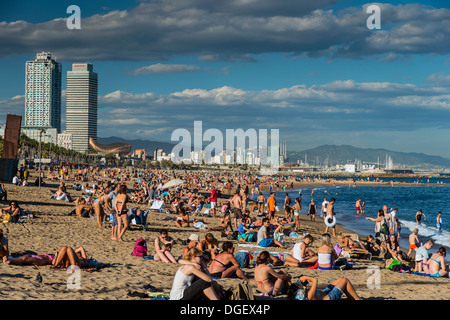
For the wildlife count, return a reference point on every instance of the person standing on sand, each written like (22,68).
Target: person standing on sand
(271,203)
(236,204)
(213,199)
(121,211)
(287,207)
(312,210)
(261,201)
(330,215)
(323,211)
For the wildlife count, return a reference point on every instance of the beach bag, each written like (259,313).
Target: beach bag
(140,248)
(243,258)
(7,218)
(240,291)
(384,228)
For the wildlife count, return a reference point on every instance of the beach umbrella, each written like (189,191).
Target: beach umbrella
(172,183)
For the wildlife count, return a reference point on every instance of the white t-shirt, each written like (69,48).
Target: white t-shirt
(296,251)
(324,205)
(180,283)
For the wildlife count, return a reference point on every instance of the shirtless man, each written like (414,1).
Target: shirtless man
(358,206)
(83,209)
(330,215)
(236,204)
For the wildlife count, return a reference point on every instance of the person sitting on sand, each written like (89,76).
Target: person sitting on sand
(182,221)
(83,209)
(326,254)
(190,282)
(269,282)
(300,255)
(373,246)
(348,244)
(193,242)
(394,250)
(436,264)
(225,265)
(209,243)
(4,247)
(333,291)
(225,224)
(163,246)
(30,260)
(67,257)
(264,238)
(10,213)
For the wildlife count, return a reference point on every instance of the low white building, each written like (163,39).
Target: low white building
(65,140)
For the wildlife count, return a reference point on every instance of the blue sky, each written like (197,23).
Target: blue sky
(311,69)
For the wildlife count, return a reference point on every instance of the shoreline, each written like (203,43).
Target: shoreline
(122,273)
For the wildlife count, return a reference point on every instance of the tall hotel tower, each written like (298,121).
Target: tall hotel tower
(43,92)
(81,105)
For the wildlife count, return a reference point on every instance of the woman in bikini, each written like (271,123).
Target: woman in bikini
(209,243)
(30,260)
(348,244)
(67,257)
(163,246)
(98,206)
(225,265)
(436,264)
(326,254)
(121,211)
(333,291)
(270,282)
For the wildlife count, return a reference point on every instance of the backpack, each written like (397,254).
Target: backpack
(384,227)
(243,258)
(240,291)
(140,248)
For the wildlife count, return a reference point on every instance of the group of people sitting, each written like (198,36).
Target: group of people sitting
(196,278)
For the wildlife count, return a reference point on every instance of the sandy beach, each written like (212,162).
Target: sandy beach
(121,273)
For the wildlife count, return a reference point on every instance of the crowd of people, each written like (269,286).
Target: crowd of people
(246,216)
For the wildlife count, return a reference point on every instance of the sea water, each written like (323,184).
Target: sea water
(407,199)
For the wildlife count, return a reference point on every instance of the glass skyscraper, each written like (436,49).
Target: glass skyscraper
(43,92)
(81,105)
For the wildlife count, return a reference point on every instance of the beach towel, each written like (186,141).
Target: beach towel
(157,205)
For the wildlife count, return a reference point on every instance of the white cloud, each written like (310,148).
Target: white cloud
(166,68)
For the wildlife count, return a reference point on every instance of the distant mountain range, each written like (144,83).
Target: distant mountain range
(330,154)
(348,154)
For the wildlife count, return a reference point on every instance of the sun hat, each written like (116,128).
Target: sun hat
(194,237)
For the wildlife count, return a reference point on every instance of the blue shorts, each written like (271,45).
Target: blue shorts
(334,292)
(265,243)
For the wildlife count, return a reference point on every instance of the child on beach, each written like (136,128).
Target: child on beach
(422,255)
(413,239)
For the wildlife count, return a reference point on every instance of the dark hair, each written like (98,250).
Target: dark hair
(263,258)
(332,199)
(227,245)
(208,254)
(442,251)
